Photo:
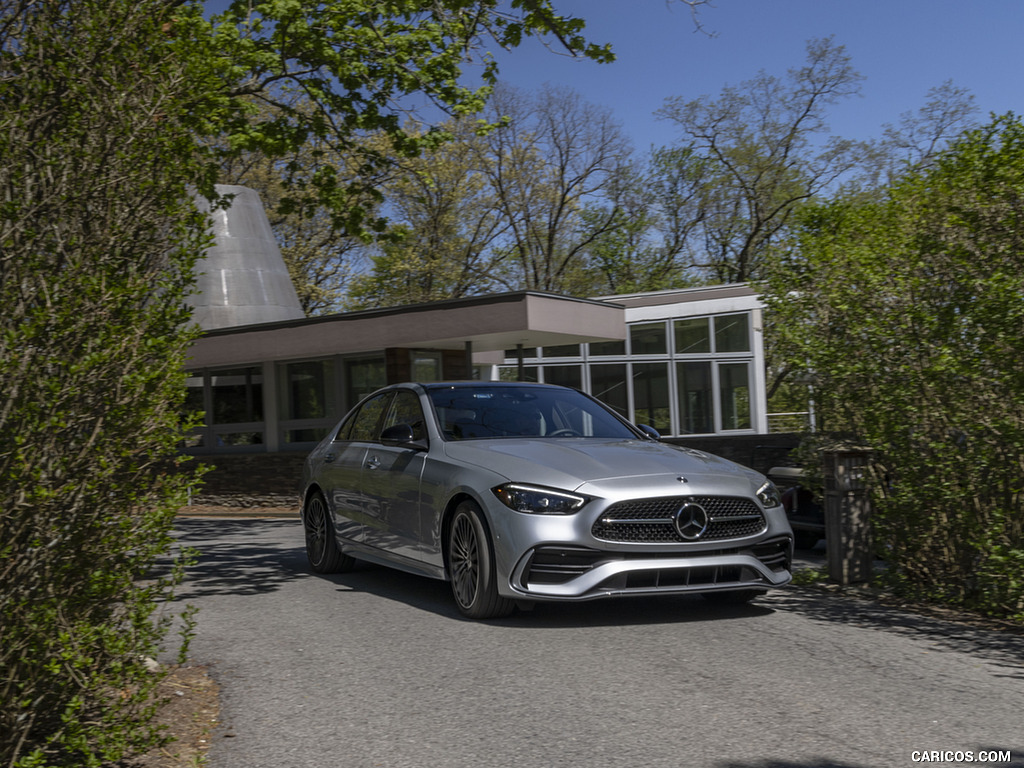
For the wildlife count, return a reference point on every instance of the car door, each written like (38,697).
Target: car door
(341,471)
(390,484)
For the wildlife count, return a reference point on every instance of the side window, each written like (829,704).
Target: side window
(365,424)
(405,409)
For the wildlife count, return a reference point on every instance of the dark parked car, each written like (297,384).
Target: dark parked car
(804,510)
(516,493)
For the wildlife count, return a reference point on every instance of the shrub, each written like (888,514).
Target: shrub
(98,238)
(906,313)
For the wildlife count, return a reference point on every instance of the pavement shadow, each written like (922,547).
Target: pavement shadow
(231,560)
(252,556)
(1003,647)
(420,592)
(435,597)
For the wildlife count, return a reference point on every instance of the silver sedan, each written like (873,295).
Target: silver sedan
(517,493)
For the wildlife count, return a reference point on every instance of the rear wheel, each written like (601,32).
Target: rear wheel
(321,543)
(471,566)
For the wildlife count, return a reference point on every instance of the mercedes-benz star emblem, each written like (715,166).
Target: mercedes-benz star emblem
(691,521)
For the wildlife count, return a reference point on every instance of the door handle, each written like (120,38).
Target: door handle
(372,462)
(330,457)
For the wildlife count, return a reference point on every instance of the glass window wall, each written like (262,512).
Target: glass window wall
(231,401)
(693,335)
(564,375)
(607,348)
(647,339)
(608,384)
(307,400)
(651,396)
(734,395)
(363,375)
(732,333)
(696,398)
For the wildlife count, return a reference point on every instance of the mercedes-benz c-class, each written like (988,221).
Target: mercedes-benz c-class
(517,493)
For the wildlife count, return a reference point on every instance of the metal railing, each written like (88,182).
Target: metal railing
(796,421)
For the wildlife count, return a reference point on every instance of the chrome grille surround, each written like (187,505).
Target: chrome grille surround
(652,521)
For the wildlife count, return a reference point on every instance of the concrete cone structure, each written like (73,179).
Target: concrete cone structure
(243,279)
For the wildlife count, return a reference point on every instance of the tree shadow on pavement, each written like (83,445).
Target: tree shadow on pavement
(435,597)
(1004,647)
(233,556)
(254,556)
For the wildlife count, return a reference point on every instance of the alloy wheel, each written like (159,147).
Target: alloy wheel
(465,560)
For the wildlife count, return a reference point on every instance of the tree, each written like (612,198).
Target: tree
(906,313)
(919,136)
(652,243)
(362,67)
(552,156)
(913,141)
(760,140)
(102,107)
(503,207)
(444,223)
(322,256)
(99,236)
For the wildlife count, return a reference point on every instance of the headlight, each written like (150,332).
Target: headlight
(539,501)
(769,496)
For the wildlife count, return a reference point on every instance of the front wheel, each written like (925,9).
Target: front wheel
(471,566)
(321,543)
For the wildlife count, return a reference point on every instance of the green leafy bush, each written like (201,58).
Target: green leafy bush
(98,237)
(906,313)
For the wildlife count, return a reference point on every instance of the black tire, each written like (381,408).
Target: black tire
(471,566)
(733,597)
(321,543)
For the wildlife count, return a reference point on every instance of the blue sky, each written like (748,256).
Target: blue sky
(902,47)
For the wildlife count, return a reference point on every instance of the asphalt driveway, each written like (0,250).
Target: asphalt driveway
(376,668)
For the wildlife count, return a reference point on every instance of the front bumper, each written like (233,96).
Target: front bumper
(578,573)
(598,553)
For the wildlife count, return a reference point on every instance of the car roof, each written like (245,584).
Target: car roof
(450,384)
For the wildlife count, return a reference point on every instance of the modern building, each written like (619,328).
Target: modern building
(687,362)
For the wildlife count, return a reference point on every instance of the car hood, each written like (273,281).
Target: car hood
(571,463)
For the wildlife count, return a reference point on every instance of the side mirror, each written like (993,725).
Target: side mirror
(650,431)
(401,436)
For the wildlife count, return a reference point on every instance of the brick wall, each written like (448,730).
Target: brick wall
(251,480)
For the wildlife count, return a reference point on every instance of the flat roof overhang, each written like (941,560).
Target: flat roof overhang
(489,323)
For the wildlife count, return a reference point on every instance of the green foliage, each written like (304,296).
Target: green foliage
(650,245)
(767,152)
(114,112)
(362,64)
(98,237)
(320,253)
(806,577)
(907,315)
(446,223)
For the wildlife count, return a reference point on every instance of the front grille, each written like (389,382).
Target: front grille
(652,521)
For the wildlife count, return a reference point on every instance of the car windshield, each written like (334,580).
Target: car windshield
(481,411)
